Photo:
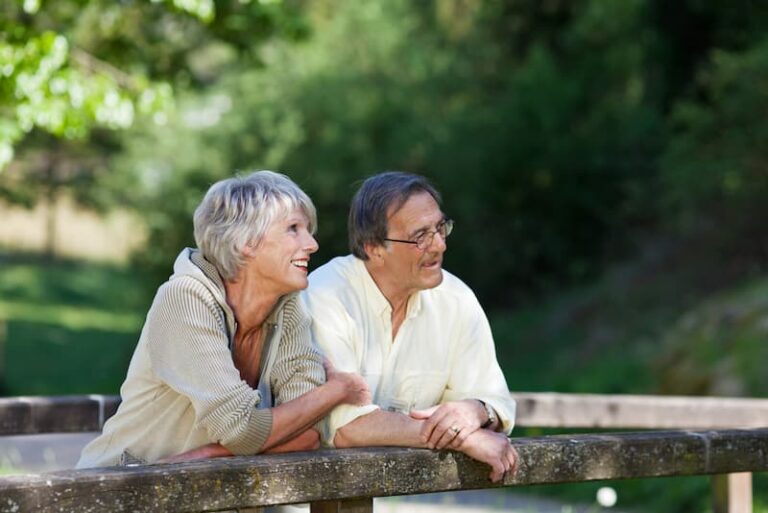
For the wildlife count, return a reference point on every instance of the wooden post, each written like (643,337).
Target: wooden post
(3,337)
(364,505)
(732,493)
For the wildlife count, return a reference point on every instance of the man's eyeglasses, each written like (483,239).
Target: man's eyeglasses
(424,239)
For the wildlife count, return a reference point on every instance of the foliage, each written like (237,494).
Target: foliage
(717,159)
(50,85)
(557,131)
(72,70)
(539,162)
(667,322)
(718,347)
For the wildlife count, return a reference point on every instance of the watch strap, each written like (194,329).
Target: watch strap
(491,415)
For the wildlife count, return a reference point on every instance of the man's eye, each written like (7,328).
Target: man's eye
(419,236)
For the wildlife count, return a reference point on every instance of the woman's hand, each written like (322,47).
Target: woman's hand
(354,387)
(212,450)
(309,440)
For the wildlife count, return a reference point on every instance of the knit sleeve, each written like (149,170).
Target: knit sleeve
(298,365)
(188,347)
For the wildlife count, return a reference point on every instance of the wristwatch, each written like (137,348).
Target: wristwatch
(491,415)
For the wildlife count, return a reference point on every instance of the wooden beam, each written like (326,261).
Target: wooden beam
(732,493)
(67,414)
(347,506)
(62,414)
(241,482)
(639,411)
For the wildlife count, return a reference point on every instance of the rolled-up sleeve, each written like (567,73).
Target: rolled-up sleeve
(475,373)
(189,351)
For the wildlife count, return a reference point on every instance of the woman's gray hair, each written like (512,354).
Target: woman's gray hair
(368,214)
(237,211)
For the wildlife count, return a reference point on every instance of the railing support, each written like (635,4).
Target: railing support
(732,493)
(364,505)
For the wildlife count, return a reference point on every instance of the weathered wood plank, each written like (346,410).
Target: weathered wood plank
(30,415)
(347,506)
(732,493)
(62,414)
(639,411)
(228,483)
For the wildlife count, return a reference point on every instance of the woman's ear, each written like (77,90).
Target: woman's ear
(249,250)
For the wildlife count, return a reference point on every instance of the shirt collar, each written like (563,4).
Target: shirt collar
(378,301)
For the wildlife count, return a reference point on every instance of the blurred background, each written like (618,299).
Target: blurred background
(606,163)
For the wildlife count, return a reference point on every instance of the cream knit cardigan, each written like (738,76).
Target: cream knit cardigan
(182,389)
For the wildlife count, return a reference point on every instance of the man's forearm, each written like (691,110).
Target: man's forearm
(380,428)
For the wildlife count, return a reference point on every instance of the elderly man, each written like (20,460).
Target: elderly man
(415,332)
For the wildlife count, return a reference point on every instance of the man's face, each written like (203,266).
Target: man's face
(410,268)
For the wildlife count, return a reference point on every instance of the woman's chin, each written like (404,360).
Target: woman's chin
(299,285)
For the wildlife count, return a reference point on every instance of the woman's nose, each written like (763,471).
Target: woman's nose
(311,244)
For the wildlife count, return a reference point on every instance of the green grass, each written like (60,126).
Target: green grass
(67,327)
(50,359)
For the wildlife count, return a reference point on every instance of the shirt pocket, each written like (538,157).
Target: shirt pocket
(415,391)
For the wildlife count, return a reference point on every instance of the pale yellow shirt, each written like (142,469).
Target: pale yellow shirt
(443,351)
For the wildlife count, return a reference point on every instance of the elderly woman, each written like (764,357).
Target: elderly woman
(224,364)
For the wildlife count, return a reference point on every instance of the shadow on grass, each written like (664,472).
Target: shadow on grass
(49,359)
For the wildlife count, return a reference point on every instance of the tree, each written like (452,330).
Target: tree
(75,71)
(541,149)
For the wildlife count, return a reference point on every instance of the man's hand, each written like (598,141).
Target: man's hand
(449,425)
(495,450)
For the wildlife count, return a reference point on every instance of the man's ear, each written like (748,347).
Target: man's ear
(374,251)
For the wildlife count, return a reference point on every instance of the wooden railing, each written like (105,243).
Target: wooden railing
(346,480)
(731,493)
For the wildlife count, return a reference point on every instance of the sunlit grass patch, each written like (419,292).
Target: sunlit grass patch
(67,327)
(70,317)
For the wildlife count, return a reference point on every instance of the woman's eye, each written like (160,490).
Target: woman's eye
(293,228)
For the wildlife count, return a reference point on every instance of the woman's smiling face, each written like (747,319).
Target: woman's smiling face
(281,259)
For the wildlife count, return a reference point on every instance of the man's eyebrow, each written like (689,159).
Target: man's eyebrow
(428,227)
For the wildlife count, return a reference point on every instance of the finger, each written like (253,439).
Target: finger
(442,426)
(497,474)
(431,430)
(514,459)
(462,435)
(423,414)
(449,435)
(328,366)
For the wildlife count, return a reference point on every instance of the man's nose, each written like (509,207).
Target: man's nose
(438,243)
